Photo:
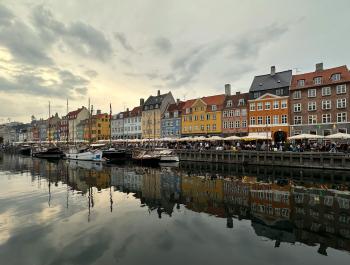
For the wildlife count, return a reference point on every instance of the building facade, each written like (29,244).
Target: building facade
(319,101)
(235,114)
(74,118)
(53,128)
(152,113)
(202,116)
(171,120)
(99,126)
(268,105)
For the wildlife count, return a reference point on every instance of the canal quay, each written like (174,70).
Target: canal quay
(64,212)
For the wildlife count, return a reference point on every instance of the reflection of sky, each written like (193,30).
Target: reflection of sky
(32,232)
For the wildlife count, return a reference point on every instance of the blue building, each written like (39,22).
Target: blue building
(171,120)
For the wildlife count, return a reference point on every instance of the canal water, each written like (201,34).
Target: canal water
(88,213)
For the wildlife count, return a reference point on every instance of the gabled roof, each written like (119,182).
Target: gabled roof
(267,96)
(217,100)
(152,100)
(175,107)
(326,75)
(268,81)
(75,112)
(135,111)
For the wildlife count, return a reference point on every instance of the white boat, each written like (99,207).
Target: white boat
(168,156)
(84,154)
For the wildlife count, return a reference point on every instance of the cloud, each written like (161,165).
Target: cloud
(80,37)
(163,45)
(6,16)
(119,36)
(64,85)
(91,73)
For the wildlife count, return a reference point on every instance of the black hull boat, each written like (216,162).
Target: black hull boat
(50,153)
(114,156)
(26,151)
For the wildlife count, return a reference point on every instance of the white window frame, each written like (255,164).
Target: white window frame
(336,77)
(275,119)
(326,104)
(297,107)
(252,106)
(301,82)
(284,119)
(260,120)
(341,89)
(312,104)
(313,119)
(311,93)
(326,91)
(252,121)
(284,104)
(259,106)
(340,117)
(297,94)
(267,105)
(298,120)
(326,118)
(318,80)
(341,103)
(276,104)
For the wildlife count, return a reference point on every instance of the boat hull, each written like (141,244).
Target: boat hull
(25,151)
(86,156)
(114,156)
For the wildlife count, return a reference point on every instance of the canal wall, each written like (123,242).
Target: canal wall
(284,159)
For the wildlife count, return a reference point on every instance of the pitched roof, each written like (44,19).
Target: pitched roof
(152,100)
(75,112)
(235,98)
(174,107)
(268,81)
(326,75)
(217,100)
(135,112)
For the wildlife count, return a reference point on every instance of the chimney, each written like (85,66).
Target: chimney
(158,94)
(127,109)
(142,101)
(319,67)
(227,89)
(177,101)
(273,70)
(238,93)
(98,111)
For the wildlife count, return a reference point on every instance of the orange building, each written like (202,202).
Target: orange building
(268,105)
(268,115)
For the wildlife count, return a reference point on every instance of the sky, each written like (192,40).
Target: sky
(118,51)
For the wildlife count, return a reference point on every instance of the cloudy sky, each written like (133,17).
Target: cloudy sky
(120,50)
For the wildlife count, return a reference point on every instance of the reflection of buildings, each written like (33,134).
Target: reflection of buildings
(314,213)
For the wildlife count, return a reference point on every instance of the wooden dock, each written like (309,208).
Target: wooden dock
(318,160)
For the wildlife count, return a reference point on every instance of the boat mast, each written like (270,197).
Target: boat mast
(49,124)
(67,123)
(110,124)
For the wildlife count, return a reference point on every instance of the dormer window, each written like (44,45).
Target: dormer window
(188,110)
(335,77)
(229,103)
(301,82)
(241,102)
(256,94)
(318,80)
(213,107)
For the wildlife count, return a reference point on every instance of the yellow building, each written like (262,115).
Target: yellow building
(152,111)
(100,128)
(203,116)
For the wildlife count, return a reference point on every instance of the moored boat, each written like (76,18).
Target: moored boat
(113,155)
(25,150)
(86,154)
(50,153)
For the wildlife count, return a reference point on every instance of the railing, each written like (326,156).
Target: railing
(290,159)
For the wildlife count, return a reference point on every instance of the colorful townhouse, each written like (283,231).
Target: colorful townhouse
(203,116)
(53,130)
(152,113)
(268,105)
(235,113)
(319,101)
(100,129)
(74,118)
(171,120)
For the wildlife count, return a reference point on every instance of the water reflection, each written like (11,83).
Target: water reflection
(283,205)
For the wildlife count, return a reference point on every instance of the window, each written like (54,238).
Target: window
(341,117)
(311,93)
(244,112)
(335,77)
(256,94)
(208,116)
(213,107)
(202,117)
(326,91)
(297,107)
(312,119)
(284,119)
(166,115)
(318,80)
(259,105)
(279,92)
(237,124)
(202,127)
(208,127)
(241,102)
(342,130)
(275,119)
(268,120)
(297,94)
(214,127)
(341,89)
(301,82)
(260,120)
(252,120)
(244,124)
(298,120)
(275,104)
(214,116)
(224,114)
(267,105)
(326,104)
(188,110)
(341,103)
(252,106)
(225,124)
(231,113)
(311,106)
(229,103)
(283,104)
(326,118)
(176,114)
(238,112)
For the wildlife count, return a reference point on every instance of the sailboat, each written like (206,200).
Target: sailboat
(86,153)
(113,155)
(52,152)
